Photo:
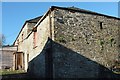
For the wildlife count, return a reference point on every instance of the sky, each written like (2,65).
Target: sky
(14,14)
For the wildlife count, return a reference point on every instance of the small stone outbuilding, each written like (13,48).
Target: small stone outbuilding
(7,60)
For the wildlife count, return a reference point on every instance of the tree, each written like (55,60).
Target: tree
(2,40)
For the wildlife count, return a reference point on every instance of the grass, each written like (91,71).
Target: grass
(116,72)
(5,72)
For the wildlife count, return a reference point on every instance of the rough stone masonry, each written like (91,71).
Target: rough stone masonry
(93,36)
(73,43)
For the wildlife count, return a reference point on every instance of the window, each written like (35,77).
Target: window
(101,25)
(18,41)
(34,38)
(27,58)
(22,37)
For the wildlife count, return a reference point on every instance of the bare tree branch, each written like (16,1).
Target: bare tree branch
(2,39)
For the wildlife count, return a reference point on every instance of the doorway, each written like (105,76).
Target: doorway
(19,60)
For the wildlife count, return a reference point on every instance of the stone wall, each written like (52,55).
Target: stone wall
(70,64)
(37,61)
(22,42)
(93,36)
(82,45)
(7,57)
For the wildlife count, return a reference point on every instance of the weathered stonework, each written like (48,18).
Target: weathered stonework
(7,57)
(70,44)
(83,34)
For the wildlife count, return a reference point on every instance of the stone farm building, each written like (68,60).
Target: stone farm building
(69,43)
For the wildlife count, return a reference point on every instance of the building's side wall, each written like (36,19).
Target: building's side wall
(21,43)
(37,64)
(7,57)
(42,36)
(92,36)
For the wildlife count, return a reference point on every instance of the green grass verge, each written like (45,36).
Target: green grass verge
(5,72)
(116,72)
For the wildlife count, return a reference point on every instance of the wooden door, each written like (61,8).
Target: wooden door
(19,60)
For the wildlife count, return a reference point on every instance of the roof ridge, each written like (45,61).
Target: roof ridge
(84,11)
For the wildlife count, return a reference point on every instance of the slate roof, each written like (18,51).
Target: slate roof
(34,20)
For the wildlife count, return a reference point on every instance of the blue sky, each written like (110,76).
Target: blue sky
(14,14)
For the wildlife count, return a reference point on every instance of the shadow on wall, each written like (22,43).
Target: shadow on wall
(57,61)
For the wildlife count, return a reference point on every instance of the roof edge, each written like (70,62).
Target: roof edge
(64,8)
(27,21)
(19,32)
(85,11)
